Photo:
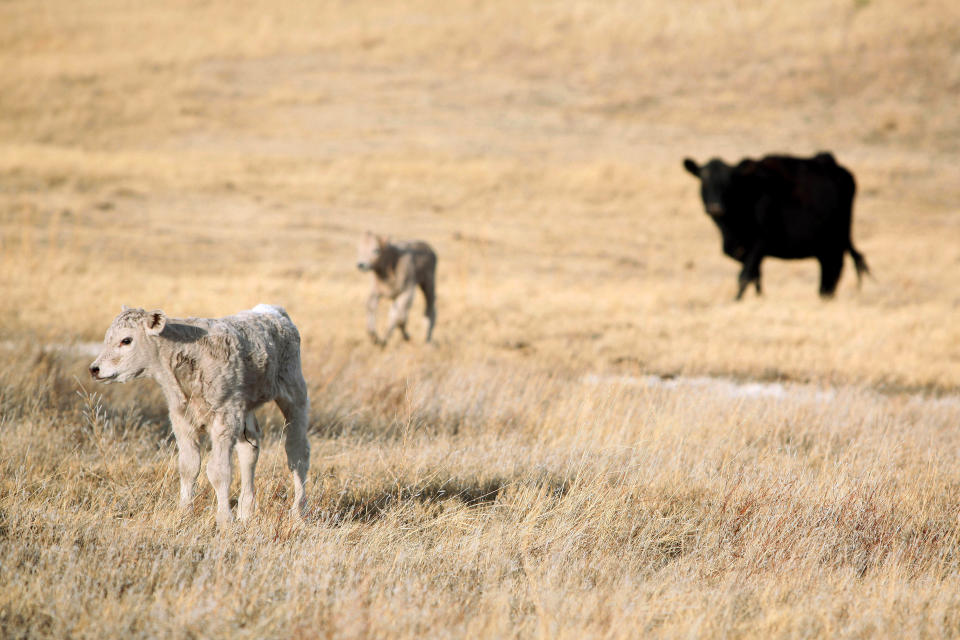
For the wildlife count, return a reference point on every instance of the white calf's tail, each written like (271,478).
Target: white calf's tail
(269,308)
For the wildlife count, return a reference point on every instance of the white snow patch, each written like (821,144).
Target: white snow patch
(729,388)
(796,392)
(91,349)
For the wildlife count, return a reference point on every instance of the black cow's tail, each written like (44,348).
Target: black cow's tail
(859,262)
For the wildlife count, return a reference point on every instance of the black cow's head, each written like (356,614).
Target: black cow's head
(715,178)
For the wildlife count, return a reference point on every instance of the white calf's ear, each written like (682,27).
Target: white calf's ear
(155,322)
(124,308)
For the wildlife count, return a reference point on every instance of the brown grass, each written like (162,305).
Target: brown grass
(516,478)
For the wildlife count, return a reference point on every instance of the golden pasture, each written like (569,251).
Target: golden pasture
(525,475)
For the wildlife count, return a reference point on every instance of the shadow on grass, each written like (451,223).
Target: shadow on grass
(368,504)
(337,419)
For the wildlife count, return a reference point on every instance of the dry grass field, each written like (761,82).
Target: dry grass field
(557,463)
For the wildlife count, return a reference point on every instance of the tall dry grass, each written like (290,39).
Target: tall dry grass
(517,478)
(467,500)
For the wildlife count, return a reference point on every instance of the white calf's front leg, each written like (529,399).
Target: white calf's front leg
(248,450)
(189,456)
(223,435)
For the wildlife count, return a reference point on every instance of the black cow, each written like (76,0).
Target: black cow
(782,207)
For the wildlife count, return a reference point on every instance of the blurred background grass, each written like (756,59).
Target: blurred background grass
(205,157)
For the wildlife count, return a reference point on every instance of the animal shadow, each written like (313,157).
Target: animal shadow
(368,504)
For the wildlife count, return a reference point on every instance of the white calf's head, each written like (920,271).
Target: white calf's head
(127,353)
(369,250)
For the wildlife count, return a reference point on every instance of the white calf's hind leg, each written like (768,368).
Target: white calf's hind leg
(296,412)
(248,450)
(223,435)
(189,457)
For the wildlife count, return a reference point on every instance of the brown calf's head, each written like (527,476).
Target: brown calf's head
(370,249)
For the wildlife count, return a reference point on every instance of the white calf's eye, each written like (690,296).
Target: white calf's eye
(126,341)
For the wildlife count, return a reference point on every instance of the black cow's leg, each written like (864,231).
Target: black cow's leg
(756,283)
(750,272)
(830,267)
(742,283)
